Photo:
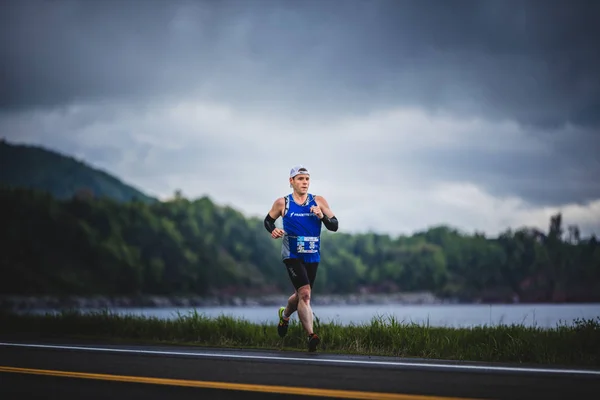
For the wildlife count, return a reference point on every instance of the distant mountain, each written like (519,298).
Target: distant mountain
(34,167)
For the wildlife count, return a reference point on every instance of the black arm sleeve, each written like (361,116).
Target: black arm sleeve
(330,223)
(269,223)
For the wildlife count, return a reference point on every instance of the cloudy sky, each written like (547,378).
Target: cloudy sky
(483,115)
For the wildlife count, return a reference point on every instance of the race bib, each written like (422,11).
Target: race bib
(307,244)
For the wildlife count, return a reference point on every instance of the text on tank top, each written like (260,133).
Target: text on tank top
(302,227)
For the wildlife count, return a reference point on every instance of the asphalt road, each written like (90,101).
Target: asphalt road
(48,370)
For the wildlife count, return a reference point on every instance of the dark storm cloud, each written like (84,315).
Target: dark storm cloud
(565,176)
(77,73)
(535,62)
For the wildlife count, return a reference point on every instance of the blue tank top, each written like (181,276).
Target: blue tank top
(302,230)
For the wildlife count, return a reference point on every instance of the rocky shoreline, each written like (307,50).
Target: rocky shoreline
(21,303)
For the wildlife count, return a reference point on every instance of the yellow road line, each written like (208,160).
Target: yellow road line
(342,394)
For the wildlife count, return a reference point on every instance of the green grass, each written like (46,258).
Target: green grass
(564,345)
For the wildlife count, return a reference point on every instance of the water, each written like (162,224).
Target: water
(464,315)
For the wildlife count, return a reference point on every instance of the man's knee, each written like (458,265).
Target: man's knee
(304,293)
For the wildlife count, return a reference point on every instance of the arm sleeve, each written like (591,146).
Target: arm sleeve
(269,223)
(330,223)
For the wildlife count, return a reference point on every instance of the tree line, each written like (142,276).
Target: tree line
(87,246)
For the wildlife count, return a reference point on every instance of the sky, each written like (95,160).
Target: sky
(482,115)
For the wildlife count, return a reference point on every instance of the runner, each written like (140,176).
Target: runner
(302,214)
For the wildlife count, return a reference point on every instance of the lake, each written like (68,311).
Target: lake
(449,315)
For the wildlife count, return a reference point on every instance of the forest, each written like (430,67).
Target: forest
(96,245)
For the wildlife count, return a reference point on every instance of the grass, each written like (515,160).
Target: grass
(565,345)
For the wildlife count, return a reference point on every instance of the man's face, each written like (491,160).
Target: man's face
(300,183)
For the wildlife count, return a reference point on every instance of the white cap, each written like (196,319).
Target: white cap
(297,170)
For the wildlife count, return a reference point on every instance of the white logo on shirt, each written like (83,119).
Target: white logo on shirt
(295,214)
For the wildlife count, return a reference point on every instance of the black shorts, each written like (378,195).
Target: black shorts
(301,273)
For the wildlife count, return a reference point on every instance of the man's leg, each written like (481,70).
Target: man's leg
(306,316)
(285,314)
(292,305)
(304,295)
(298,277)
(304,309)
(311,273)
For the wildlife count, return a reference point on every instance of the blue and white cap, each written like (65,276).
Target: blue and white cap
(298,170)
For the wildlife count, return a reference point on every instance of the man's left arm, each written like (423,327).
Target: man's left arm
(329,219)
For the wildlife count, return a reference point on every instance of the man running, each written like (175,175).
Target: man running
(302,214)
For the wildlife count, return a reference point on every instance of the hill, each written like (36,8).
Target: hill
(62,176)
(57,241)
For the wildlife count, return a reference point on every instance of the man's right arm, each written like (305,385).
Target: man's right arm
(271,217)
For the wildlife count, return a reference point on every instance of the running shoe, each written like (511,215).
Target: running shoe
(282,328)
(313,341)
